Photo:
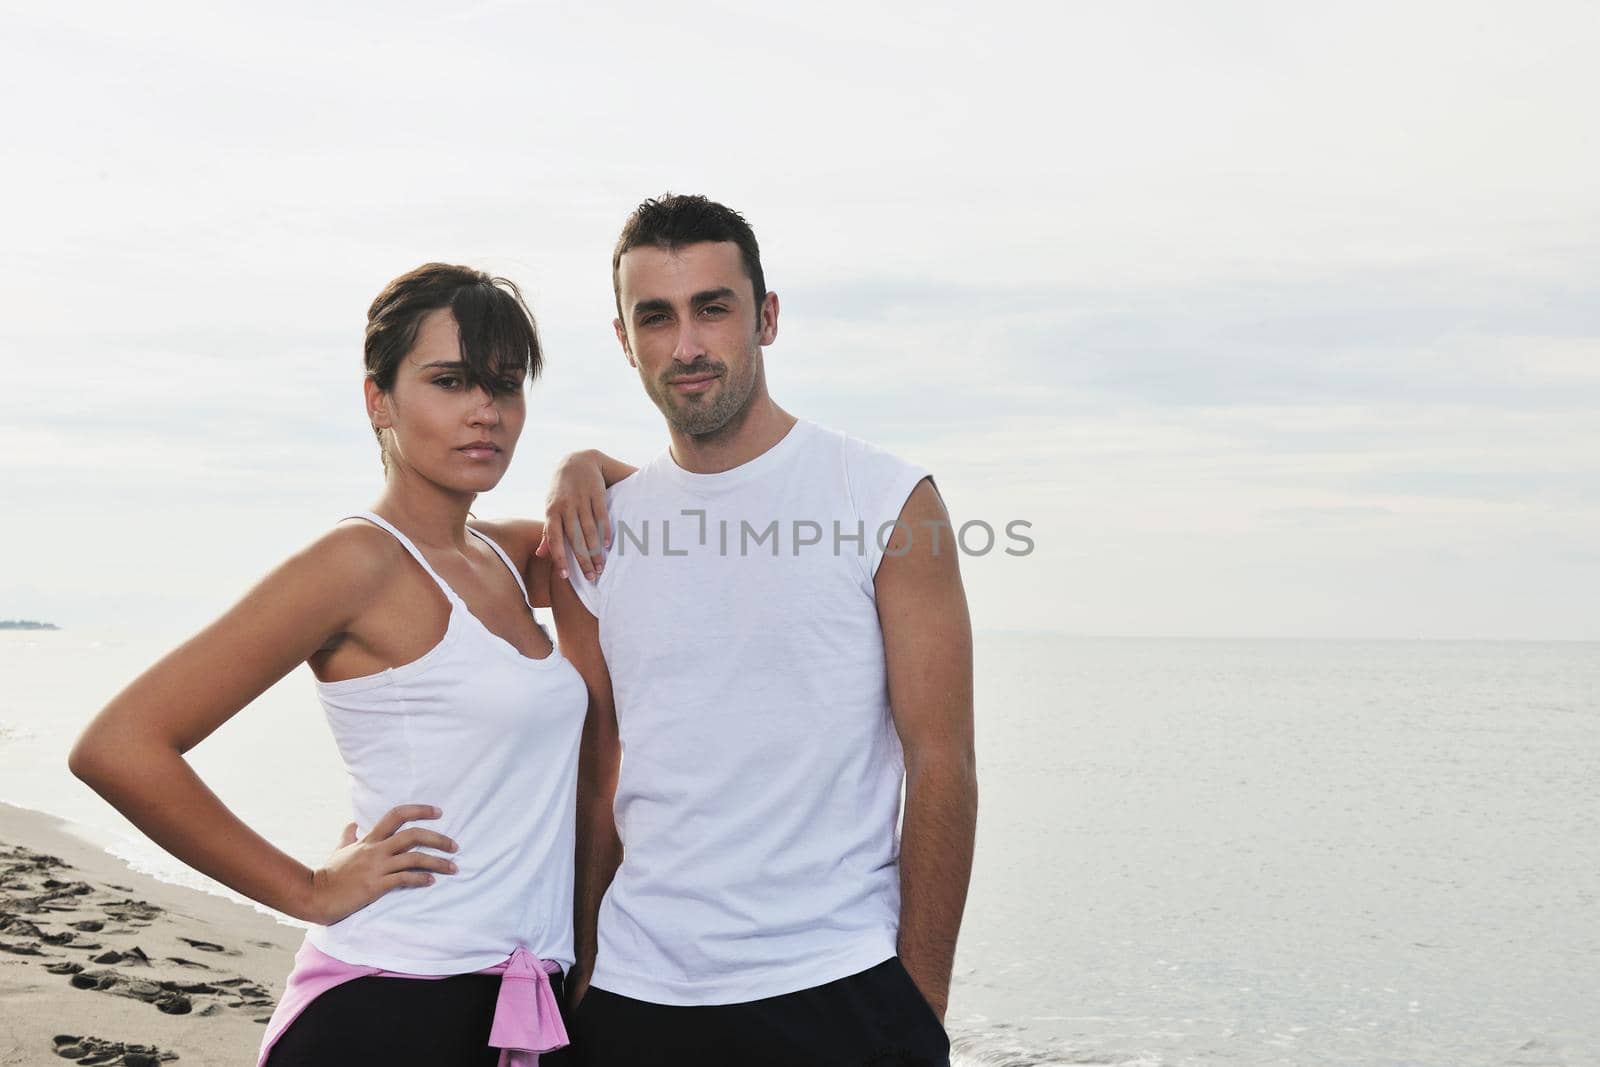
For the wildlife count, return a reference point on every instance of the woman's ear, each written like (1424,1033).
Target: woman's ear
(377,405)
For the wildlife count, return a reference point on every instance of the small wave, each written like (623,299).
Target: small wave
(1000,1050)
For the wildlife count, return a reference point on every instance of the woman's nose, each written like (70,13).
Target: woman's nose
(484,409)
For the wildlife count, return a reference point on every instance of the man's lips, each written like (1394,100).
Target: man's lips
(696,383)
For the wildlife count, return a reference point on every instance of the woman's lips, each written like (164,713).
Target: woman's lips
(479,451)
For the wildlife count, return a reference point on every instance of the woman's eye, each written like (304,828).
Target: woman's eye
(447,381)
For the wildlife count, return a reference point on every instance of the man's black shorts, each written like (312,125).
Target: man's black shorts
(877,1018)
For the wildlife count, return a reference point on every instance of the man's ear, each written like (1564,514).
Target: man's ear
(377,405)
(768,332)
(622,339)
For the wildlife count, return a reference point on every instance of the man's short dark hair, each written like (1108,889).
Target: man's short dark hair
(672,221)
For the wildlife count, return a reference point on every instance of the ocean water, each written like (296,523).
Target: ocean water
(1191,852)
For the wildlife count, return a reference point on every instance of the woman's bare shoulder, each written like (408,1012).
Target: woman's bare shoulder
(519,537)
(354,558)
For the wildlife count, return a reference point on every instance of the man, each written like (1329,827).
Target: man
(777,640)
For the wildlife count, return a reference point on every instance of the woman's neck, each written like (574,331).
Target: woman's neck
(427,513)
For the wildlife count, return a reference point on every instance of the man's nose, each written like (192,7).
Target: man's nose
(690,347)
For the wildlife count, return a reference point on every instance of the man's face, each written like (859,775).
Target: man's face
(692,329)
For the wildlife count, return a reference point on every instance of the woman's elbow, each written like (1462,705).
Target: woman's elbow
(94,758)
(84,760)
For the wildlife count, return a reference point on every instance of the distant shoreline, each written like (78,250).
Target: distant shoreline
(26,624)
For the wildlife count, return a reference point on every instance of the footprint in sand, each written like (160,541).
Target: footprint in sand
(167,1000)
(67,939)
(111,1053)
(18,927)
(249,994)
(132,912)
(181,962)
(172,997)
(18,948)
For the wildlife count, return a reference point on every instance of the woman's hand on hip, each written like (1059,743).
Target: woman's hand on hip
(362,870)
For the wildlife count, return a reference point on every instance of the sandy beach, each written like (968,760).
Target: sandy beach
(100,965)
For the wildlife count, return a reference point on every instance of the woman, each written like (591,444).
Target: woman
(442,924)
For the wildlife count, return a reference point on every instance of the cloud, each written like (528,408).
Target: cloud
(1494,341)
(1194,290)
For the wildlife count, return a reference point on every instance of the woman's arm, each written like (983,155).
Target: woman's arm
(575,511)
(132,753)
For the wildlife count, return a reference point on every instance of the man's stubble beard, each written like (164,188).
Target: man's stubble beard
(722,415)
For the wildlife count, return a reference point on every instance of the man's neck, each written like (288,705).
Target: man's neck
(762,425)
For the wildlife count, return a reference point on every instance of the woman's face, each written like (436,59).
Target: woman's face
(458,437)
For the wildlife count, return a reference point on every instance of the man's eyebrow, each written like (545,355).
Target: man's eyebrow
(705,296)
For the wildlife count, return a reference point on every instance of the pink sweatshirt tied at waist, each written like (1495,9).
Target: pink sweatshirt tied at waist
(527,1020)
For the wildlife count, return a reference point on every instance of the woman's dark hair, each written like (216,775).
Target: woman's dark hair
(499,341)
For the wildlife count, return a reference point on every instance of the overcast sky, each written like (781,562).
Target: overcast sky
(1272,319)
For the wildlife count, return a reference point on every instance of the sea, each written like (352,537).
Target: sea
(1190,851)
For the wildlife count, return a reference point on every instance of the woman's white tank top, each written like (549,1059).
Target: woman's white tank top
(490,737)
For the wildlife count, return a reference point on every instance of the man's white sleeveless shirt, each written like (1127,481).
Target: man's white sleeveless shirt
(759,794)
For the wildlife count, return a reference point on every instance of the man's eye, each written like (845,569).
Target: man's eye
(653,319)
(714,309)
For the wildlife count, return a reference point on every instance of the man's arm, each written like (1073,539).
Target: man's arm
(927,640)
(599,850)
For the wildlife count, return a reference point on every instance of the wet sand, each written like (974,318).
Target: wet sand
(100,965)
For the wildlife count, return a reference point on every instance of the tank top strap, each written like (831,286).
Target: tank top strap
(422,561)
(512,567)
